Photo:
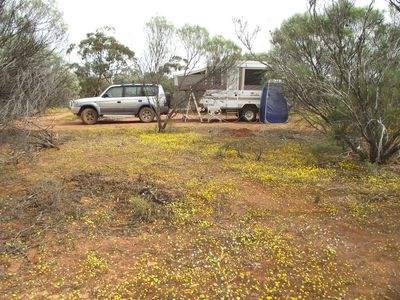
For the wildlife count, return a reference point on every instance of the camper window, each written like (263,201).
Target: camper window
(253,79)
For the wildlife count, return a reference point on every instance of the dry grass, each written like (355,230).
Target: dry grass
(198,212)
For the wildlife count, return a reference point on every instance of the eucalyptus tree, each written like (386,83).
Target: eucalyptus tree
(32,74)
(185,48)
(340,66)
(104,61)
(395,4)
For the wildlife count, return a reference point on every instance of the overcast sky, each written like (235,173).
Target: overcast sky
(129,16)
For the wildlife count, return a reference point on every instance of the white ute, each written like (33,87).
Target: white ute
(238,90)
(243,91)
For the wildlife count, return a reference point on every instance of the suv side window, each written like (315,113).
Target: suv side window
(133,91)
(114,92)
(151,90)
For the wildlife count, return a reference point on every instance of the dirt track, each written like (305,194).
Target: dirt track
(66,121)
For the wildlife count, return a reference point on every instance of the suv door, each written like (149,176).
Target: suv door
(133,99)
(111,101)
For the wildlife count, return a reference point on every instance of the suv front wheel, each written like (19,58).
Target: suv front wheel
(146,115)
(89,116)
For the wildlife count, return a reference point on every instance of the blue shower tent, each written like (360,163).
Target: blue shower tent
(273,106)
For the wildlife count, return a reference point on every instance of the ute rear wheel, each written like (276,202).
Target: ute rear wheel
(248,114)
(146,115)
(89,116)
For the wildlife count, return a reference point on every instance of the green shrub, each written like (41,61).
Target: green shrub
(326,150)
(328,147)
(142,209)
(146,211)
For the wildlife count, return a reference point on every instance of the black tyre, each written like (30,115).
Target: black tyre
(89,116)
(147,114)
(248,114)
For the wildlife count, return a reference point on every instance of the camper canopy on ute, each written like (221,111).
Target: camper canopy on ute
(246,75)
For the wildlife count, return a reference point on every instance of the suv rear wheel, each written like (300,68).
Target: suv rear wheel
(146,115)
(248,114)
(89,116)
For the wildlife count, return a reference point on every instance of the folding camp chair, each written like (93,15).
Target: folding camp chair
(214,111)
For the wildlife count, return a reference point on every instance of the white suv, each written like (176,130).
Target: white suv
(139,100)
